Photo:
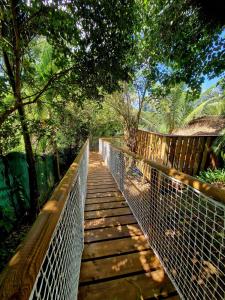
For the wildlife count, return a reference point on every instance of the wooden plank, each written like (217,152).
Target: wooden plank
(205,153)
(183,153)
(99,177)
(116,232)
(150,285)
(99,174)
(173,141)
(194,155)
(115,247)
(188,156)
(163,150)
(102,189)
(118,265)
(104,199)
(177,153)
(109,222)
(166,154)
(104,194)
(110,205)
(99,171)
(107,213)
(99,184)
(197,155)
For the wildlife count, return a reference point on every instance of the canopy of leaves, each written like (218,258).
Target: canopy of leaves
(179,45)
(90,42)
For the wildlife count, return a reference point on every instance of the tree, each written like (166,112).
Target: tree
(166,113)
(211,102)
(89,47)
(128,104)
(180,44)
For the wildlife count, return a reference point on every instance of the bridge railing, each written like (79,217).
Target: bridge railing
(47,264)
(182,218)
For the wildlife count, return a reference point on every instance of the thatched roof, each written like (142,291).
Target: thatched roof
(209,125)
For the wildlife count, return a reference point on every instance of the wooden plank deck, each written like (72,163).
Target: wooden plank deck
(117,262)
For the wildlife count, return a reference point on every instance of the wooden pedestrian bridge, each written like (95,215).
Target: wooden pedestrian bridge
(120,227)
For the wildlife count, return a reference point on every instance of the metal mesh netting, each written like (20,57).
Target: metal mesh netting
(58,277)
(185,228)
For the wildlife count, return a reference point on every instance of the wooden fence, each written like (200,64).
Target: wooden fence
(188,154)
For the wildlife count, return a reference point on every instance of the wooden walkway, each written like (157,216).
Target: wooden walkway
(117,262)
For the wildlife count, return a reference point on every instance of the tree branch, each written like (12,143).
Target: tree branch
(9,71)
(10,110)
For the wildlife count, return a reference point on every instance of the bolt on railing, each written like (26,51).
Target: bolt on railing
(47,264)
(182,218)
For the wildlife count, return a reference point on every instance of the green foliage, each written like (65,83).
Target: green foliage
(178,45)
(219,146)
(166,113)
(211,102)
(212,176)
(10,134)
(80,46)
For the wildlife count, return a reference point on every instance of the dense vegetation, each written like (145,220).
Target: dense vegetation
(73,69)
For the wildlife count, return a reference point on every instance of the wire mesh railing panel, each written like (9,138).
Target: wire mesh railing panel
(58,277)
(185,228)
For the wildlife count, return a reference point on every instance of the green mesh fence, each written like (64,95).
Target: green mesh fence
(14,186)
(45,175)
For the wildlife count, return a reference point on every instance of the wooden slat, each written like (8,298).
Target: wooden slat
(177,153)
(107,213)
(104,199)
(115,247)
(100,179)
(104,194)
(149,285)
(109,222)
(118,265)
(112,233)
(193,155)
(101,190)
(188,156)
(198,154)
(99,173)
(99,184)
(205,153)
(117,204)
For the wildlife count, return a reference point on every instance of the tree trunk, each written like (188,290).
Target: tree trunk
(34,194)
(131,138)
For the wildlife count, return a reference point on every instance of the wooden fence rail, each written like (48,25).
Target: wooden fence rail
(188,154)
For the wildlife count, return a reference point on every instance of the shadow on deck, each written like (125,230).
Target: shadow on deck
(117,262)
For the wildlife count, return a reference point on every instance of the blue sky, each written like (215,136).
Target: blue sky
(209,82)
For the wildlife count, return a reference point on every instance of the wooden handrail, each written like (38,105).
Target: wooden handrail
(18,278)
(205,188)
